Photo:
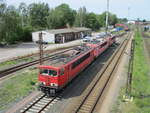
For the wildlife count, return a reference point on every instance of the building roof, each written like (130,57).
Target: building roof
(58,31)
(82,29)
(68,30)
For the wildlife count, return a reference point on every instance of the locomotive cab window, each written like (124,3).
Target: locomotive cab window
(48,72)
(52,73)
(44,72)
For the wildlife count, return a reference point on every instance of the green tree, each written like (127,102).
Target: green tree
(12,25)
(144,20)
(112,19)
(66,14)
(81,17)
(102,18)
(25,22)
(53,20)
(2,23)
(92,22)
(38,15)
(23,11)
(122,20)
(61,16)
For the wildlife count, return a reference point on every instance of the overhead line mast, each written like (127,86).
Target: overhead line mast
(107,16)
(41,48)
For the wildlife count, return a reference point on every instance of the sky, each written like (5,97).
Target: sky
(131,9)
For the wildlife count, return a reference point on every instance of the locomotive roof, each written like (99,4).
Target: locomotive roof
(67,56)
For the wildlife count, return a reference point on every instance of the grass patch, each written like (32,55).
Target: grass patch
(17,87)
(140,83)
(7,64)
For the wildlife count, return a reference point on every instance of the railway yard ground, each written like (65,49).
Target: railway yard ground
(72,99)
(74,56)
(28,84)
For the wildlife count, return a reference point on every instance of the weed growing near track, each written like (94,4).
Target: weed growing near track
(15,88)
(140,83)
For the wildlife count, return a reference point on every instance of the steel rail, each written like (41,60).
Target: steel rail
(35,105)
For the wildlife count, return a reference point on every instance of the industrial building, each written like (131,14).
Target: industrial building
(61,35)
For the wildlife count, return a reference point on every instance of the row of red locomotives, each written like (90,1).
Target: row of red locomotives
(58,72)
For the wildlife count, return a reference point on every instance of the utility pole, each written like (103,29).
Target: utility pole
(107,16)
(41,48)
(128,13)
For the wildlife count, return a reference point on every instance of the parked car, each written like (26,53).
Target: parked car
(87,39)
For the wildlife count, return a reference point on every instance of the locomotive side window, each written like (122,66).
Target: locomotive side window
(79,61)
(52,73)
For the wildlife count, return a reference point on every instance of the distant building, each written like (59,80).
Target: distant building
(131,22)
(61,35)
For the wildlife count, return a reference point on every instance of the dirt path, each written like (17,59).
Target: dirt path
(147,47)
(147,50)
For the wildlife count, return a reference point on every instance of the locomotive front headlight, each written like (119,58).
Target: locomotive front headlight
(44,83)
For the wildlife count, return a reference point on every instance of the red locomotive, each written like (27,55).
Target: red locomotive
(59,71)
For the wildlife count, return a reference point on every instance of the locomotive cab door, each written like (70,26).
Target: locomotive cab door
(63,76)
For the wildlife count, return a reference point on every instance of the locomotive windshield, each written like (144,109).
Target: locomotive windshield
(48,72)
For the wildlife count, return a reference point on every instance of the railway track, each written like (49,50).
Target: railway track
(39,105)
(96,92)
(13,69)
